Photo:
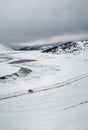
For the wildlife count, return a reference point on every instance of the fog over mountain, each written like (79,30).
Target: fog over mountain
(29,20)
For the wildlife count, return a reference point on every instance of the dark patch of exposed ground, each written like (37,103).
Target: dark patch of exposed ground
(21,73)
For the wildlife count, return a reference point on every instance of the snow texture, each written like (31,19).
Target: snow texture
(51,94)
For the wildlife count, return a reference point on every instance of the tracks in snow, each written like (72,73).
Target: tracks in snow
(81,103)
(54,86)
(62,84)
(75,105)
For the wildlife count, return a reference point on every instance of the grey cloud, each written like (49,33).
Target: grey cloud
(26,20)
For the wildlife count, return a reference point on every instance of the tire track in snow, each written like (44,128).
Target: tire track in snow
(62,84)
(54,86)
(75,105)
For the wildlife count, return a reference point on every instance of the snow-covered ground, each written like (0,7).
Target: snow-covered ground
(59,100)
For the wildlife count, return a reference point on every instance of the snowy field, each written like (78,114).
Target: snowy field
(59,84)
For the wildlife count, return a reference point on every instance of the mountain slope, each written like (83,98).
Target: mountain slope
(4,48)
(68,47)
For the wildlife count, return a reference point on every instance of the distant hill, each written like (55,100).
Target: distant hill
(39,47)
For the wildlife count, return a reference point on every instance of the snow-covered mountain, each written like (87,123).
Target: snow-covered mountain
(68,47)
(38,47)
(59,48)
(4,48)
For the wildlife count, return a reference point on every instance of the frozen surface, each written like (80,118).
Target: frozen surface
(60,91)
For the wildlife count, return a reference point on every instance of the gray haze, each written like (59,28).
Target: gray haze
(28,20)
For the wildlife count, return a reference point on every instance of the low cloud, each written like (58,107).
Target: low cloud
(29,20)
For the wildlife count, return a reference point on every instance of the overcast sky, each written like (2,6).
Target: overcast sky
(31,20)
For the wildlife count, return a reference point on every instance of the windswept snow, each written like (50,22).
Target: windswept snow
(54,96)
